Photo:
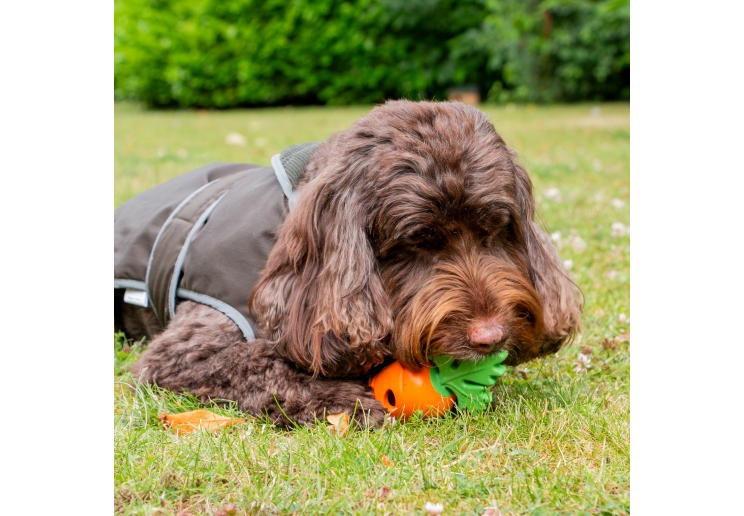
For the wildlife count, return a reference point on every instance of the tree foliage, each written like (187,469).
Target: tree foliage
(211,53)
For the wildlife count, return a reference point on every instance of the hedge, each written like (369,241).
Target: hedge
(222,54)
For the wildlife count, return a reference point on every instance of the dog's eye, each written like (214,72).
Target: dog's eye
(411,240)
(427,239)
(494,230)
(496,217)
(489,216)
(493,221)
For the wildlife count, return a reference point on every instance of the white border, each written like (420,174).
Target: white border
(57,207)
(686,186)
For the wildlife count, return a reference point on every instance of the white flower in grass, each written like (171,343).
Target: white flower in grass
(617,203)
(235,139)
(568,264)
(577,243)
(623,318)
(556,237)
(433,508)
(553,194)
(612,274)
(583,362)
(619,229)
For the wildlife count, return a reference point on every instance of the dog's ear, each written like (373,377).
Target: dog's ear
(561,298)
(321,298)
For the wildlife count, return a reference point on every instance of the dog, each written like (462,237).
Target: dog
(413,235)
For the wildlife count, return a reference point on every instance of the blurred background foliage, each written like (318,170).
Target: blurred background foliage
(238,53)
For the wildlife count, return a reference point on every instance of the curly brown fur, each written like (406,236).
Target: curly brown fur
(413,236)
(422,211)
(203,352)
(137,322)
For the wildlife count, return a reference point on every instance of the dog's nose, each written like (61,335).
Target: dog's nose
(486,333)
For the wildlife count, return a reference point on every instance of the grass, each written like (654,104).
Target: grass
(557,441)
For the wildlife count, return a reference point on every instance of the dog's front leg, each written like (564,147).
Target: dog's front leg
(203,352)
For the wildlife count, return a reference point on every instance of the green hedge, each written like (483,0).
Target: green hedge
(557,50)
(221,54)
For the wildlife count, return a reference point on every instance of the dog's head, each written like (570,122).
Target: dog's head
(414,236)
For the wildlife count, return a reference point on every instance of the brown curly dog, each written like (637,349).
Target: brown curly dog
(413,235)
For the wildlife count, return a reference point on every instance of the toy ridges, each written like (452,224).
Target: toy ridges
(468,379)
(402,392)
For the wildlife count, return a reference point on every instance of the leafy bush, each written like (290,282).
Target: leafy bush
(211,53)
(557,50)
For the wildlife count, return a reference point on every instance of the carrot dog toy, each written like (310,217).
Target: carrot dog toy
(434,390)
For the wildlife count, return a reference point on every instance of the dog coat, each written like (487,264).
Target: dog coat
(205,235)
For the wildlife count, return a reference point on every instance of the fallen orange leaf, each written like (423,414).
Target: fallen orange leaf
(386,461)
(339,423)
(188,422)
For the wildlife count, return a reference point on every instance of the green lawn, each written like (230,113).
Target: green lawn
(558,441)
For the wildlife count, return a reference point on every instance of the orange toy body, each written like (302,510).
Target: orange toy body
(402,392)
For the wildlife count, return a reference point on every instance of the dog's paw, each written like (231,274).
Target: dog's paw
(354,399)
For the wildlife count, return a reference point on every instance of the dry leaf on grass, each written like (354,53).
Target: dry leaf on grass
(386,461)
(188,422)
(339,424)
(609,344)
(381,493)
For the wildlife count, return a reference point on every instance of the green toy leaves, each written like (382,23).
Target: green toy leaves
(468,379)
